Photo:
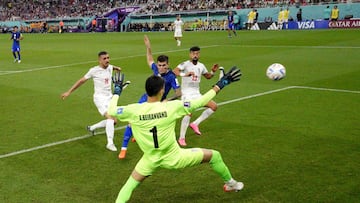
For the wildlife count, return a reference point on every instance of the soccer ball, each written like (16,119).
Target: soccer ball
(276,71)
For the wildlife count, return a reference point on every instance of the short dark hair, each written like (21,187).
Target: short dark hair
(163,58)
(16,26)
(194,48)
(101,53)
(153,85)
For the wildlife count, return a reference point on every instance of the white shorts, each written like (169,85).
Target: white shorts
(102,104)
(187,97)
(250,21)
(178,33)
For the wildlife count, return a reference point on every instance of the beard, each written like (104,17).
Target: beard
(194,61)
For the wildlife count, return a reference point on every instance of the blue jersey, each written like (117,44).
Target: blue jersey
(230,21)
(171,82)
(15,36)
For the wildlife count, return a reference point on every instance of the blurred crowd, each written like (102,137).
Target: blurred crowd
(47,9)
(169,6)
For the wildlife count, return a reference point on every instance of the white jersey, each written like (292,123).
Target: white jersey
(102,80)
(190,86)
(178,28)
(178,24)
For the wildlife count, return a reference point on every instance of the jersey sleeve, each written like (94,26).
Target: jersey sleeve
(154,68)
(174,82)
(122,113)
(203,70)
(89,74)
(181,66)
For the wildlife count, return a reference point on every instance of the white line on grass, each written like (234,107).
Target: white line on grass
(170,51)
(255,95)
(294,46)
(327,89)
(222,103)
(51,144)
(87,62)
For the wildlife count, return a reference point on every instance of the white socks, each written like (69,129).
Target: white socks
(186,121)
(110,131)
(205,114)
(184,125)
(100,124)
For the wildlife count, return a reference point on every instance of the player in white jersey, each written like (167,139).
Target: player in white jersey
(101,75)
(191,72)
(178,28)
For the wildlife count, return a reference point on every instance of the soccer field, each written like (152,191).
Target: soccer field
(293,140)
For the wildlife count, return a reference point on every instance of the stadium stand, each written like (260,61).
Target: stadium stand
(156,15)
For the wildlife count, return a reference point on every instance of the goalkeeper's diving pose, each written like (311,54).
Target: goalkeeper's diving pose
(161,68)
(153,124)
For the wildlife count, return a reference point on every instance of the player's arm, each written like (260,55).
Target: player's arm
(176,87)
(119,85)
(209,75)
(149,57)
(176,95)
(113,105)
(232,75)
(179,72)
(74,87)
(117,68)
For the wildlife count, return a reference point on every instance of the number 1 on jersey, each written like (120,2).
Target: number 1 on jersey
(154,132)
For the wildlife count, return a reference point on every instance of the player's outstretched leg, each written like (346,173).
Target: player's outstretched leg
(218,165)
(125,143)
(91,132)
(15,58)
(126,191)
(204,115)
(195,128)
(184,125)
(91,129)
(19,57)
(109,129)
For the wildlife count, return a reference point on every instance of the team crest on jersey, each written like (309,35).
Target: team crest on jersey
(119,110)
(187,104)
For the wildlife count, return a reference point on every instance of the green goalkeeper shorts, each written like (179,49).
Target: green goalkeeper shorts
(182,158)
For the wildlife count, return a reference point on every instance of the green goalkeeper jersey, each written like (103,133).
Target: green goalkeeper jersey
(153,124)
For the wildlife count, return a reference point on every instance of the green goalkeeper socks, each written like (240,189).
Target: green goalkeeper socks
(126,190)
(218,165)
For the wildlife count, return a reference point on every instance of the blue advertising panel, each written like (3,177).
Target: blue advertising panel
(305,25)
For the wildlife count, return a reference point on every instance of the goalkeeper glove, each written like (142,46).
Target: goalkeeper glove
(119,85)
(231,76)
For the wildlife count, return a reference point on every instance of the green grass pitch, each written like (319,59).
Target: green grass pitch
(294,140)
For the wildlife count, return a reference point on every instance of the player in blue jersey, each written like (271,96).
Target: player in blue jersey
(16,36)
(161,68)
(231,24)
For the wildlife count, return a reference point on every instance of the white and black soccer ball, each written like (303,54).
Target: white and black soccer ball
(276,71)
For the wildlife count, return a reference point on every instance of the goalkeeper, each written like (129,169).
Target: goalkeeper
(160,68)
(153,125)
